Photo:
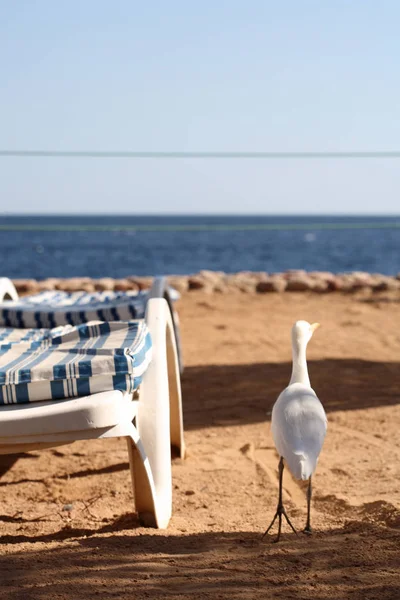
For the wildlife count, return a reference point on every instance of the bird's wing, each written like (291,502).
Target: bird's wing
(299,426)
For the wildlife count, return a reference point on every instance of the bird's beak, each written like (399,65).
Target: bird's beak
(314,326)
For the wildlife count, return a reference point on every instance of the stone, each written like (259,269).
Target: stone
(344,283)
(325,275)
(179,282)
(143,283)
(328,278)
(213,281)
(246,286)
(336,284)
(320,286)
(353,282)
(273,283)
(104,284)
(361,280)
(220,288)
(88,287)
(213,277)
(124,285)
(26,286)
(230,279)
(240,281)
(294,273)
(245,281)
(75,284)
(384,283)
(48,284)
(299,283)
(195,282)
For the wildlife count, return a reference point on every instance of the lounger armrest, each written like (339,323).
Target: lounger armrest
(158,288)
(161,289)
(7,290)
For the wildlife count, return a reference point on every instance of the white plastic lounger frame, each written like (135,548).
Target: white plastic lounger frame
(151,421)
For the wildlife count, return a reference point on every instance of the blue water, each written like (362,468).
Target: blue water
(98,246)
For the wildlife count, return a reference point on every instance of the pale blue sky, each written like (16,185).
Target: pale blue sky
(248,75)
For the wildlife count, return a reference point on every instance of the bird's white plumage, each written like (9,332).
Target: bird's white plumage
(299,426)
(298,420)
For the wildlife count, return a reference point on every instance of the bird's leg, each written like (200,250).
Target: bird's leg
(307,528)
(280,508)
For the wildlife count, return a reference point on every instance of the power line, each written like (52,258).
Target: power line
(194,154)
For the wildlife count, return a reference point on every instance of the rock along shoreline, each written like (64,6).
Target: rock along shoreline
(319,282)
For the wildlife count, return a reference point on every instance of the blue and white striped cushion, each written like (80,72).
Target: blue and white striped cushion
(53,308)
(67,362)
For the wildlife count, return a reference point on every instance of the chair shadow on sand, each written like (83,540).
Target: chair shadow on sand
(220,395)
(204,565)
(216,563)
(240,394)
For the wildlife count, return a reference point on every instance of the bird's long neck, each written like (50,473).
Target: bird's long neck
(299,369)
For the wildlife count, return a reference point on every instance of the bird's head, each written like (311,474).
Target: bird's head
(302,332)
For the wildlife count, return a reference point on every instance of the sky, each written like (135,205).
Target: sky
(215,75)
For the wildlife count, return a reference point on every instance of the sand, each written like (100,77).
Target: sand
(68,528)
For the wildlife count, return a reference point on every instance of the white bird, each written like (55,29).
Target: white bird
(298,423)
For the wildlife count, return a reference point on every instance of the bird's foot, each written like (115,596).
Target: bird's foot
(307,530)
(279,512)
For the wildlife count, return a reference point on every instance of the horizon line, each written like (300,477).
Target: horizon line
(4,214)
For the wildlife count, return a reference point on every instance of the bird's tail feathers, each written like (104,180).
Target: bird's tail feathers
(301,466)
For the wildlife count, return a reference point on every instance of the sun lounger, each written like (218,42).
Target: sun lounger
(66,380)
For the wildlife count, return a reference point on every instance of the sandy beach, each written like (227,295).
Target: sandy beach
(67,524)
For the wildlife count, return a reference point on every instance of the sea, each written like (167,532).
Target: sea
(118,246)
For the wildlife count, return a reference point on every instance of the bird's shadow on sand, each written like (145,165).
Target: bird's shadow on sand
(239,394)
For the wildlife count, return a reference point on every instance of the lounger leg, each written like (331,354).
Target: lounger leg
(143,486)
(153,426)
(175,394)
